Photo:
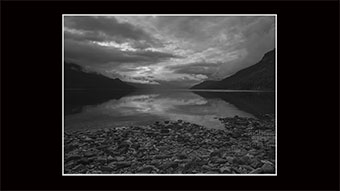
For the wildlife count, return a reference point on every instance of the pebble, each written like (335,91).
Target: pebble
(106,168)
(147,169)
(72,158)
(256,171)
(225,170)
(268,168)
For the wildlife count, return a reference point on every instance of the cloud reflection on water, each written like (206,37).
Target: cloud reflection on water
(141,109)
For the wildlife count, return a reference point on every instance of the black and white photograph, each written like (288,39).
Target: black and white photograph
(169,95)
(158,94)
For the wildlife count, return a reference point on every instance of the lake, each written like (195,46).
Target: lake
(89,109)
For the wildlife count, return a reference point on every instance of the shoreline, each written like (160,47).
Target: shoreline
(245,146)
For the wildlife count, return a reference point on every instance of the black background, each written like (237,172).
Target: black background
(308,96)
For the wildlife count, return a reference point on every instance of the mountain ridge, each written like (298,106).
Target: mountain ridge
(77,78)
(259,76)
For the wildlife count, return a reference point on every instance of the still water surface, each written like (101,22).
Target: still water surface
(102,109)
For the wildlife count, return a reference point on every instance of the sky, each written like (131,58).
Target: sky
(178,51)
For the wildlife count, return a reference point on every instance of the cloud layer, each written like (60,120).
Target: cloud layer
(166,50)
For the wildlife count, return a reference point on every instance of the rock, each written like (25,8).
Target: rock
(236,134)
(230,159)
(165,131)
(89,154)
(220,161)
(96,172)
(150,133)
(88,139)
(70,164)
(155,162)
(245,160)
(72,157)
(101,159)
(256,171)
(212,172)
(110,159)
(225,170)
(235,170)
(84,161)
(120,165)
(166,122)
(216,153)
(162,156)
(268,168)
(206,167)
(69,148)
(267,162)
(167,165)
(237,161)
(255,163)
(102,147)
(147,169)
(242,123)
(182,156)
(120,158)
(107,168)
(78,168)
(249,168)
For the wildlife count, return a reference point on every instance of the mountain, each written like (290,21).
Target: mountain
(260,76)
(77,78)
(144,86)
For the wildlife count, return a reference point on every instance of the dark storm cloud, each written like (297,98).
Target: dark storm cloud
(86,36)
(93,54)
(106,28)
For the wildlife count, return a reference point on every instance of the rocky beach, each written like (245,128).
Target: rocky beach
(245,146)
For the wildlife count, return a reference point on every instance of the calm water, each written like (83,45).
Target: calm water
(101,109)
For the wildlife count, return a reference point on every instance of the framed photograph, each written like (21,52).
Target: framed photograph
(169,94)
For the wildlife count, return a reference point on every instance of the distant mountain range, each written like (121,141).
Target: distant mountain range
(75,77)
(260,76)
